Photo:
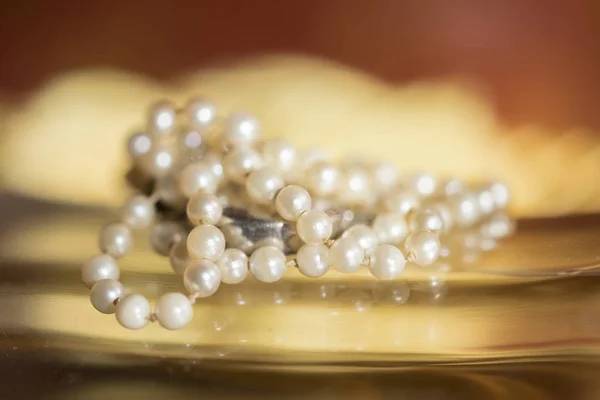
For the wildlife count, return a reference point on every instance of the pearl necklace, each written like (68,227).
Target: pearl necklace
(192,167)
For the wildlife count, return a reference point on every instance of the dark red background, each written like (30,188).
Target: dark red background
(540,59)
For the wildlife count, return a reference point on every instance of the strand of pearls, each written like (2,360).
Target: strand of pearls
(195,164)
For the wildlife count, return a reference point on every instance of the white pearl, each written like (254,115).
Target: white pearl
(386,176)
(138,145)
(453,187)
(323,179)
(233,265)
(159,160)
(313,260)
(387,262)
(355,186)
(268,264)
(104,295)
(116,239)
(238,163)
(366,236)
(200,112)
(215,164)
(197,177)
(279,154)
(191,142)
(314,226)
(485,201)
(179,258)
(305,159)
(346,254)
(263,184)
(173,311)
(424,246)
(426,219)
(465,209)
(138,212)
(424,185)
(165,234)
(204,208)
(390,228)
(133,311)
(401,201)
(99,267)
(206,241)
(202,277)
(292,201)
(161,117)
(446,214)
(498,226)
(242,130)
(500,194)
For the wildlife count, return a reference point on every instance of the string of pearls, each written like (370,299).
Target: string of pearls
(194,164)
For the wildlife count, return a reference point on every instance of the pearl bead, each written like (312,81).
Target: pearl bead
(202,278)
(116,239)
(268,264)
(424,246)
(323,179)
(314,226)
(346,254)
(500,194)
(238,163)
(426,219)
(387,262)
(99,267)
(453,187)
(233,265)
(279,154)
(159,160)
(366,236)
(104,295)
(215,164)
(161,117)
(200,112)
(401,201)
(485,201)
(292,201)
(242,130)
(138,145)
(173,311)
(444,212)
(355,186)
(197,177)
(204,208)
(385,175)
(313,260)
(262,185)
(138,212)
(498,226)
(191,143)
(424,185)
(165,234)
(206,241)
(390,228)
(465,209)
(133,311)
(179,258)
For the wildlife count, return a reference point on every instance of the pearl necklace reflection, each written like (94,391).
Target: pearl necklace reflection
(223,204)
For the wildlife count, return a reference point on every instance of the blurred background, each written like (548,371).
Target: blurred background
(506,89)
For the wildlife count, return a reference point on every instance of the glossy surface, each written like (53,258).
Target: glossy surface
(527,310)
